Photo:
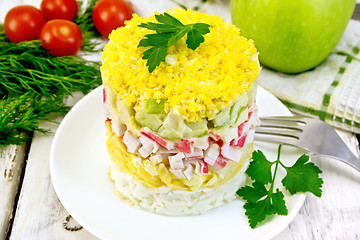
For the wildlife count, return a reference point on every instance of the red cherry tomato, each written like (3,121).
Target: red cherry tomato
(110,14)
(59,9)
(23,23)
(61,37)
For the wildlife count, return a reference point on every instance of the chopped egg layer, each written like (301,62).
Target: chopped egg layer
(195,83)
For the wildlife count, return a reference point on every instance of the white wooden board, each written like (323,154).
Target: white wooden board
(11,167)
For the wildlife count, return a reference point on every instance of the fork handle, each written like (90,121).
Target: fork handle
(351,160)
(345,155)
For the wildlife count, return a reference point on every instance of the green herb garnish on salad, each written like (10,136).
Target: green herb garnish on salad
(169,31)
(261,197)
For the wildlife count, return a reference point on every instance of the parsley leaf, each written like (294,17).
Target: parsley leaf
(156,40)
(157,54)
(168,19)
(260,168)
(254,193)
(258,211)
(262,200)
(278,203)
(194,37)
(303,176)
(169,31)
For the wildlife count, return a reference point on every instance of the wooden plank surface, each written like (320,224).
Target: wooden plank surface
(39,213)
(12,159)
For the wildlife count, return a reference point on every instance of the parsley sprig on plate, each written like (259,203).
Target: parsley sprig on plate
(262,199)
(169,31)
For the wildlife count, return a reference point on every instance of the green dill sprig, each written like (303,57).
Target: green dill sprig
(263,200)
(3,37)
(87,27)
(195,8)
(84,19)
(33,84)
(169,31)
(26,67)
(20,115)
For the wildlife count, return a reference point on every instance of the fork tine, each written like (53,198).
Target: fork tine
(284,132)
(297,120)
(282,126)
(294,128)
(288,118)
(274,139)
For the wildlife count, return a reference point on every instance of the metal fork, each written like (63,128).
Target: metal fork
(310,134)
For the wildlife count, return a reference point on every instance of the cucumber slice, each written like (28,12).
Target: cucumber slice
(252,93)
(124,112)
(230,115)
(154,106)
(222,118)
(243,115)
(196,129)
(173,127)
(237,107)
(152,121)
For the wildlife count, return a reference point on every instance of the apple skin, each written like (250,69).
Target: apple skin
(292,36)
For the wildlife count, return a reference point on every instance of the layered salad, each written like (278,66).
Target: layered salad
(180,138)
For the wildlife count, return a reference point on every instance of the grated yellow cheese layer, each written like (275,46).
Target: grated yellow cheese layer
(154,175)
(197,83)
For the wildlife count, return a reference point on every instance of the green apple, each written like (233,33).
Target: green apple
(292,36)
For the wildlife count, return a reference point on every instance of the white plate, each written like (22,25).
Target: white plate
(79,174)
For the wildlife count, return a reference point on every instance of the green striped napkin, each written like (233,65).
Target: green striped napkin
(331,91)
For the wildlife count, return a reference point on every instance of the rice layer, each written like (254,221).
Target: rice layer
(166,201)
